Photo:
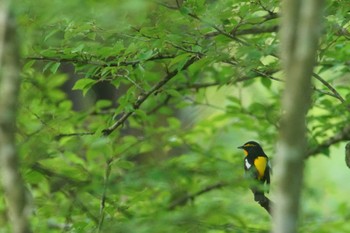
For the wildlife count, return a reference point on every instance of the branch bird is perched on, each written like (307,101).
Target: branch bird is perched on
(257,166)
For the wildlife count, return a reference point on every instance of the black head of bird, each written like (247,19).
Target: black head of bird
(252,148)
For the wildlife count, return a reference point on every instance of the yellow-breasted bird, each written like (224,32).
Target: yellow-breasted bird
(256,164)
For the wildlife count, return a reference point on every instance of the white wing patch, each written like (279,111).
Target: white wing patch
(247,164)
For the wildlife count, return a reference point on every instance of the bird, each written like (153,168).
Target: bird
(257,166)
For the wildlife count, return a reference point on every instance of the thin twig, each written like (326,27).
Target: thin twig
(197,103)
(104,195)
(256,30)
(219,30)
(184,199)
(163,103)
(59,136)
(198,85)
(325,92)
(70,194)
(265,8)
(54,175)
(99,63)
(144,96)
(329,86)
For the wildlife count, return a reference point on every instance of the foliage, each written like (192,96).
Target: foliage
(186,83)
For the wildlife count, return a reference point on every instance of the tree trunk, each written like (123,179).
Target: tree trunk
(14,191)
(299,35)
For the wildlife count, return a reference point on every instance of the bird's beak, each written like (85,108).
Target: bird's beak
(240,147)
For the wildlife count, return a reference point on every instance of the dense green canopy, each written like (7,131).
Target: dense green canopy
(131,112)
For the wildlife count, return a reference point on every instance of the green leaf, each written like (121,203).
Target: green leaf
(174,93)
(141,113)
(84,84)
(185,10)
(54,67)
(91,35)
(266,82)
(234,100)
(325,151)
(178,62)
(78,49)
(47,66)
(51,33)
(28,65)
(125,164)
(103,104)
(146,55)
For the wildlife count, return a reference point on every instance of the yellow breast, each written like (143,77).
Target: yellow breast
(260,163)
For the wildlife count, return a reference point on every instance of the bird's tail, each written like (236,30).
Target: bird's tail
(258,196)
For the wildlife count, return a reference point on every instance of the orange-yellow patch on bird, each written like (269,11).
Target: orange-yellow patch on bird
(248,144)
(245,152)
(260,163)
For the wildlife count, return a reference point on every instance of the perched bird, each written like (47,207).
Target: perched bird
(257,166)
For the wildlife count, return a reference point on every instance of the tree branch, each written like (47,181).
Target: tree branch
(59,136)
(329,86)
(218,30)
(262,200)
(190,197)
(77,60)
(249,31)
(57,180)
(341,136)
(256,30)
(144,96)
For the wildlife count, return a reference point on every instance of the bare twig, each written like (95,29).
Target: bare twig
(325,92)
(265,8)
(198,85)
(59,136)
(184,49)
(329,86)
